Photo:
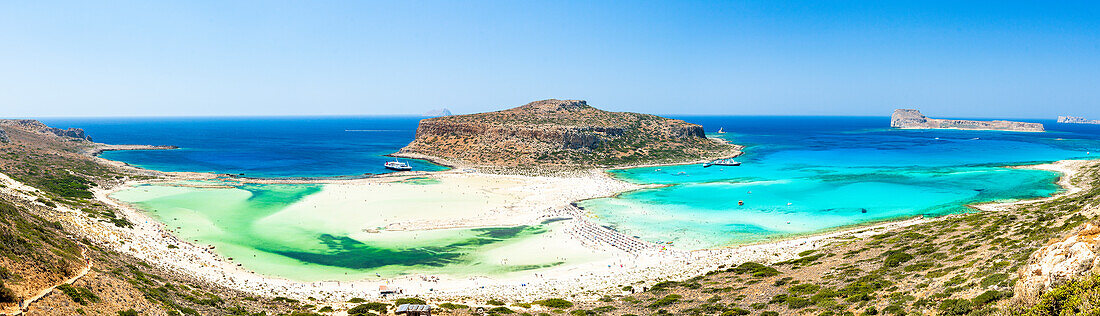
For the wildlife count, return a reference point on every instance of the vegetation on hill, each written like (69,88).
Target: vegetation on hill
(36,251)
(563,133)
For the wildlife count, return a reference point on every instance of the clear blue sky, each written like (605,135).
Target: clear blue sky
(979,59)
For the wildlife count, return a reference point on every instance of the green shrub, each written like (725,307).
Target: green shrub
(795,302)
(554,303)
(994,279)
(129,312)
(79,295)
(804,289)
(6,294)
(955,307)
(769,313)
(1077,297)
(453,306)
(988,297)
(665,301)
(755,269)
(356,300)
(495,302)
(500,310)
(408,300)
(364,308)
(896,258)
(735,312)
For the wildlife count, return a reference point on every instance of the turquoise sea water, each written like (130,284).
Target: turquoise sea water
(800,175)
(804,175)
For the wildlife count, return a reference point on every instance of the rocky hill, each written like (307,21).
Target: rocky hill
(437,112)
(34,125)
(561,133)
(913,119)
(48,268)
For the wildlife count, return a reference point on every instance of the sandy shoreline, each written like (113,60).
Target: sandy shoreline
(638,264)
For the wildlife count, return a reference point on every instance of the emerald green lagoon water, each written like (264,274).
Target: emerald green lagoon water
(244,223)
(800,175)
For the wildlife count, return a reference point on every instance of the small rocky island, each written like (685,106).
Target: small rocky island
(1076,120)
(562,133)
(913,119)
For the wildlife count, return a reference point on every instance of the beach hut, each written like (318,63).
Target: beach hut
(388,290)
(414,310)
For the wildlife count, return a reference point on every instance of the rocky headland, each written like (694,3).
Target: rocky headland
(913,119)
(562,133)
(34,125)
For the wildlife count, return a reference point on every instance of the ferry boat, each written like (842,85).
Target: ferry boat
(399,166)
(722,162)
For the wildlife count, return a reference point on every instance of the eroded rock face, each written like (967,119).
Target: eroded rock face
(1053,265)
(909,118)
(560,132)
(36,126)
(3,136)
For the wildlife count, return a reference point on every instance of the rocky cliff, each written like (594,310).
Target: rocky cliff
(913,119)
(1060,262)
(562,133)
(34,125)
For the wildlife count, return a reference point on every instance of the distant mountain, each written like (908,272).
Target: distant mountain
(566,133)
(438,112)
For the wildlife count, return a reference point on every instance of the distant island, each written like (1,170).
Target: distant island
(437,112)
(1076,120)
(913,119)
(563,133)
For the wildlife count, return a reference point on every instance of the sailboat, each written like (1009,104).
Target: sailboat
(720,131)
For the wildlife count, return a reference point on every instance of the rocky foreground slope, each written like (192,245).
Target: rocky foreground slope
(562,133)
(908,118)
(46,268)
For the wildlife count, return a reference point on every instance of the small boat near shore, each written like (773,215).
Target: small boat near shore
(398,166)
(722,162)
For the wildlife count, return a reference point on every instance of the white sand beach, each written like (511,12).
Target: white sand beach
(613,260)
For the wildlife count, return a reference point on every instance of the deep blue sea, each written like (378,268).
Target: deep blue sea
(799,174)
(258,147)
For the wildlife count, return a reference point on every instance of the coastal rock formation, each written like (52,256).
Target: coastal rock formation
(1053,265)
(3,136)
(913,119)
(438,112)
(562,133)
(35,125)
(1076,120)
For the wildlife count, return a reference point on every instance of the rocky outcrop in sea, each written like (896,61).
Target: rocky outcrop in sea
(913,119)
(562,133)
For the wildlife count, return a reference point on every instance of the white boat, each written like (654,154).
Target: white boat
(720,131)
(722,162)
(399,166)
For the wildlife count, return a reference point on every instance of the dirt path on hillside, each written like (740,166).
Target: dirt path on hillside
(17,310)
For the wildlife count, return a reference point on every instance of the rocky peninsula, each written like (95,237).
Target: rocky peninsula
(913,119)
(562,133)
